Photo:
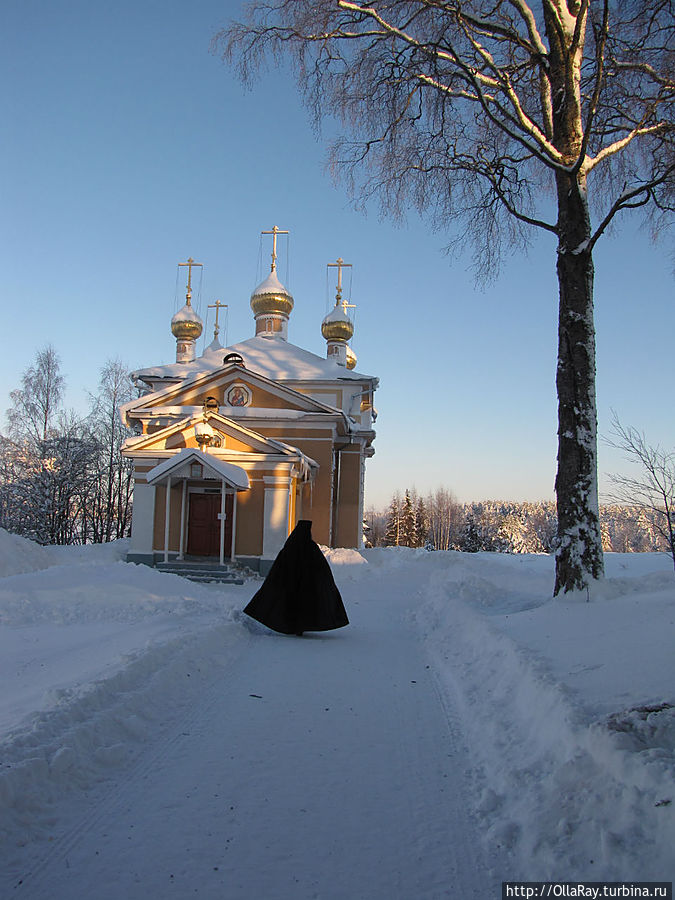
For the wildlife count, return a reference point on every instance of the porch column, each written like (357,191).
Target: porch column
(181,548)
(222,517)
(234,524)
(167,515)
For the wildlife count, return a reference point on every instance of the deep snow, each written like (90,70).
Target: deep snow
(466,728)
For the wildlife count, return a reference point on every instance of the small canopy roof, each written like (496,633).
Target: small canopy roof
(178,467)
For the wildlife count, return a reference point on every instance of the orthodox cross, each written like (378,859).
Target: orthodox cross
(190,263)
(217,306)
(340,264)
(274,232)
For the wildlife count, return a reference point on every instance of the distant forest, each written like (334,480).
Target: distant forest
(438,522)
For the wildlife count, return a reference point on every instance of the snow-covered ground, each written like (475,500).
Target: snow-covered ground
(465,729)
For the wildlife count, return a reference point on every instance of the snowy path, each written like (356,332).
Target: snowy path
(315,767)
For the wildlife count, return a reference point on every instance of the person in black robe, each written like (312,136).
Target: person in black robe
(299,593)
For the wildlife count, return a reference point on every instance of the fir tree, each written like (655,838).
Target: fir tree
(392,535)
(407,529)
(421,524)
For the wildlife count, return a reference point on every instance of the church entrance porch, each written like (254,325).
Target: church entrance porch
(203,527)
(201,519)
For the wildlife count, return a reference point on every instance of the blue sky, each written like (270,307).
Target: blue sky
(129,147)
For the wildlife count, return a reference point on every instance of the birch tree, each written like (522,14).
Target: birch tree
(504,116)
(109,515)
(444,518)
(36,404)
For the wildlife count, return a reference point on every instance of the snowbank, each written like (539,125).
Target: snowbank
(568,789)
(20,555)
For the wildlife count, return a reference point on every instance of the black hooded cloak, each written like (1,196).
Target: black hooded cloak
(299,593)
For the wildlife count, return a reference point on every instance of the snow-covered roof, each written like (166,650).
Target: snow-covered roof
(276,359)
(234,475)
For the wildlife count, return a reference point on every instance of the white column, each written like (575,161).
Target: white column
(183,505)
(222,517)
(167,516)
(275,515)
(234,524)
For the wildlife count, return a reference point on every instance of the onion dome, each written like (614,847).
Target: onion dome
(351,358)
(337,325)
(186,324)
(271,298)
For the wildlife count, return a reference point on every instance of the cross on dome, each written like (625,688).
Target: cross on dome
(190,264)
(340,264)
(274,232)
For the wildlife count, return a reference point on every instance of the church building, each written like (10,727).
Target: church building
(233,447)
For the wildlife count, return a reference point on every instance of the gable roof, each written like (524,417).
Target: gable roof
(233,475)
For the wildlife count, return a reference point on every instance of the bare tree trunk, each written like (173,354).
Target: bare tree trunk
(579,555)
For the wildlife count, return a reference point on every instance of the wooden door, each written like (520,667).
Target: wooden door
(204,525)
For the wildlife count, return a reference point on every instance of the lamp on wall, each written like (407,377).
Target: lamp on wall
(203,434)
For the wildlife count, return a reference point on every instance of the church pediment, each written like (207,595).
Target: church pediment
(233,387)
(224,437)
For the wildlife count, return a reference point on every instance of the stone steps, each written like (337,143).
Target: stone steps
(204,572)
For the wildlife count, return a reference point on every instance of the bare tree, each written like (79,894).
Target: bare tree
(109,515)
(445,518)
(63,479)
(494,113)
(654,487)
(36,403)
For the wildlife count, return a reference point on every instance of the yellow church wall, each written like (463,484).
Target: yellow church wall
(317,506)
(348,525)
(250,509)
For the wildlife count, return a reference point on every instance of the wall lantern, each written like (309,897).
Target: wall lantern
(203,434)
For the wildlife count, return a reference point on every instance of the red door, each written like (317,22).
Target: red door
(204,525)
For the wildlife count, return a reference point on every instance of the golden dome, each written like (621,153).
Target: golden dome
(271,297)
(186,324)
(337,325)
(351,358)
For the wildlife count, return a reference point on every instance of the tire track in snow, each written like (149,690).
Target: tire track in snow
(321,767)
(102,789)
